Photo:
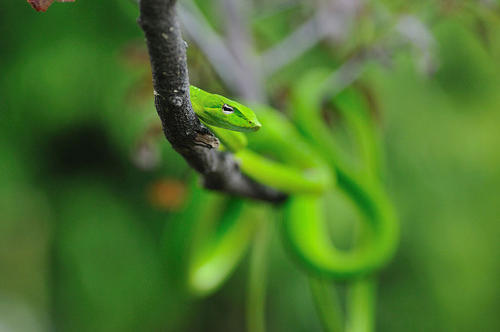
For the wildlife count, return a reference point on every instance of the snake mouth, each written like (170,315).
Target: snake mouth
(249,129)
(250,126)
(256,126)
(253,126)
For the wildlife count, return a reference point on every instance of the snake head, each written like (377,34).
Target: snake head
(219,111)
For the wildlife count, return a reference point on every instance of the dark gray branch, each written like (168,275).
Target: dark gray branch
(167,52)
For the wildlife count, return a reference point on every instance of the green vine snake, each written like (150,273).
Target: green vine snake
(299,156)
(275,153)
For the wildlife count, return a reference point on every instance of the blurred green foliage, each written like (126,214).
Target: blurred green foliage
(82,243)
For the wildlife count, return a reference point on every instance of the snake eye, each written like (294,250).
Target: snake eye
(226,109)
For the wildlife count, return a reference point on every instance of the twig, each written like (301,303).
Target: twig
(348,72)
(240,42)
(293,46)
(382,51)
(167,52)
(197,27)
(332,19)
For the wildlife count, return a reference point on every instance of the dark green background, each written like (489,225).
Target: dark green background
(80,241)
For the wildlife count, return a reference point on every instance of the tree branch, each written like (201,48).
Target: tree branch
(167,52)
